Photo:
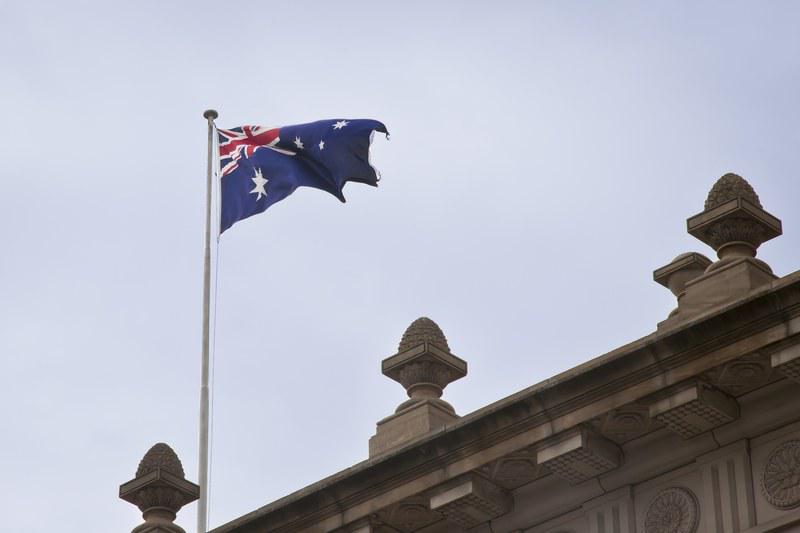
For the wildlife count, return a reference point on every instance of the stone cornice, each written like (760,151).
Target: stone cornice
(642,369)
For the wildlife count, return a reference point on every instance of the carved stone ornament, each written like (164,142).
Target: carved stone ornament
(159,490)
(422,330)
(424,365)
(408,515)
(735,230)
(727,188)
(733,223)
(780,479)
(160,456)
(425,372)
(673,510)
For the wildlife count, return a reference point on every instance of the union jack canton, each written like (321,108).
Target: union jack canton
(243,141)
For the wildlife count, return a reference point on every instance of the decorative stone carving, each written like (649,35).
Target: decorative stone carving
(515,470)
(471,501)
(733,223)
(780,478)
(673,510)
(159,490)
(579,454)
(695,408)
(409,515)
(422,330)
(624,423)
(735,230)
(742,375)
(424,366)
(428,372)
(738,372)
(163,457)
(727,188)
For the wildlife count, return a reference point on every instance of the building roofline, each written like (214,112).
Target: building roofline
(655,362)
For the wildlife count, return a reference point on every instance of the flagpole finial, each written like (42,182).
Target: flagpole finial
(210,114)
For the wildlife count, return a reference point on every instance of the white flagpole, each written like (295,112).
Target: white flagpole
(202,505)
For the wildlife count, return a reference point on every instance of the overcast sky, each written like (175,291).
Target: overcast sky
(543,160)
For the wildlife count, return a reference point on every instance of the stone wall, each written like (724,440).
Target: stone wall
(743,477)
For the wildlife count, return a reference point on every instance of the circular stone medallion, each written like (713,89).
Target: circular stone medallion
(673,510)
(780,479)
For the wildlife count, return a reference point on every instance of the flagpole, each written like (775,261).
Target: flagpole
(202,505)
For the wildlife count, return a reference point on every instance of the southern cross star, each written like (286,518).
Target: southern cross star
(341,124)
(298,143)
(260,181)
(322,145)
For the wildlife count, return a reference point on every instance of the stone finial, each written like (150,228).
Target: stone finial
(733,222)
(424,366)
(729,187)
(163,457)
(423,330)
(159,490)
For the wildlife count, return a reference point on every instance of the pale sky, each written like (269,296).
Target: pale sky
(543,160)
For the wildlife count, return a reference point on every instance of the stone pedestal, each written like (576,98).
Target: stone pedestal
(724,284)
(413,421)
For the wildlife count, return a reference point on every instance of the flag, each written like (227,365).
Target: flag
(260,166)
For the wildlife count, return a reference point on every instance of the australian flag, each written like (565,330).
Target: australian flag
(260,166)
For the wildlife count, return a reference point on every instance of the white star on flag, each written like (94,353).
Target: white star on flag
(341,124)
(260,182)
(322,145)
(298,143)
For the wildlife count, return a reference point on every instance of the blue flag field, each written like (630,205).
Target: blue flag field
(260,166)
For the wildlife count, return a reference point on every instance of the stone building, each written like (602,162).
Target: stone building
(693,428)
